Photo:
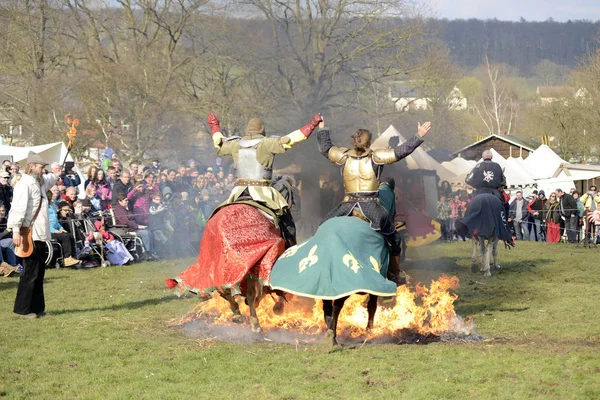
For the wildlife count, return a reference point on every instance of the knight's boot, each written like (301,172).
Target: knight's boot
(393,273)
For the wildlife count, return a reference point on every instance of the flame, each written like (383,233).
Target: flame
(426,311)
(72,132)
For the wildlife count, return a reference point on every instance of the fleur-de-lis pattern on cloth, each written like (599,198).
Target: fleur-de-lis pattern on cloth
(376,264)
(351,262)
(488,176)
(309,260)
(292,250)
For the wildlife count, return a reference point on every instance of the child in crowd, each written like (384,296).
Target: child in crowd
(443,217)
(114,251)
(158,224)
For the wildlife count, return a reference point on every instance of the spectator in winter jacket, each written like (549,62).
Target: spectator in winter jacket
(70,195)
(591,203)
(536,211)
(90,176)
(59,234)
(518,215)
(103,188)
(158,224)
(6,191)
(568,210)
(121,186)
(140,197)
(124,218)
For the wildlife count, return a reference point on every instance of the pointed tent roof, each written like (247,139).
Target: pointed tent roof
(419,159)
(516,175)
(543,162)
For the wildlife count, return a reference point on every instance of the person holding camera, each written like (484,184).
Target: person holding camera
(67,176)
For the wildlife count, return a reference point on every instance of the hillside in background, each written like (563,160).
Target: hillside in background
(520,44)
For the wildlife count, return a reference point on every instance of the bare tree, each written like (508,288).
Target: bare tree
(499,107)
(33,66)
(129,83)
(324,52)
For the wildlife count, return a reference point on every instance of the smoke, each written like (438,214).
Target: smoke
(203,328)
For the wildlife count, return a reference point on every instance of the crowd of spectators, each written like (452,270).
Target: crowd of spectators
(535,217)
(165,208)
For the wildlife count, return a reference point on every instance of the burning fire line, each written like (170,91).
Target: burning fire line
(422,310)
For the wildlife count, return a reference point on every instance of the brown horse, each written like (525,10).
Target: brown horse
(239,247)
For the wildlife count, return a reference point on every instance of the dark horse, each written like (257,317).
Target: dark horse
(333,264)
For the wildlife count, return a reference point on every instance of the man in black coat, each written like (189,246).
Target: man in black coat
(568,211)
(121,186)
(487,176)
(6,191)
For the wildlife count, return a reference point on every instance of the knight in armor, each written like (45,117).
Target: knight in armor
(361,171)
(253,157)
(487,177)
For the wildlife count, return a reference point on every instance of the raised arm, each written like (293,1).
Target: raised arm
(397,153)
(333,153)
(277,145)
(299,135)
(224,146)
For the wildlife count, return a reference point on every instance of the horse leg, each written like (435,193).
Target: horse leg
(252,296)
(483,248)
(331,310)
(338,304)
(235,307)
(486,261)
(371,308)
(474,258)
(495,252)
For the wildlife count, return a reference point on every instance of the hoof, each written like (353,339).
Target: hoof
(237,319)
(255,325)
(497,266)
(474,267)
(329,342)
(487,273)
(278,308)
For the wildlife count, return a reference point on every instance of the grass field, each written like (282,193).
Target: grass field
(108,338)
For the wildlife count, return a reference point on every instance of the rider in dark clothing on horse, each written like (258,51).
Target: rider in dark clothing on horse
(487,177)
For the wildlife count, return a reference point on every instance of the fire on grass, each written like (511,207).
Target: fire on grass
(421,311)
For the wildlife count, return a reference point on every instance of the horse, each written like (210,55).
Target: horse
(485,221)
(240,245)
(345,256)
(489,247)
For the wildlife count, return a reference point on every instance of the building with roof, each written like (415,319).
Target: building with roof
(409,98)
(506,145)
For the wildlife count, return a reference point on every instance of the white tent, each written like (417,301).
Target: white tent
(551,184)
(543,162)
(460,165)
(51,152)
(516,175)
(419,159)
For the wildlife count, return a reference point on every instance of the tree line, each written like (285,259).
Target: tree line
(143,74)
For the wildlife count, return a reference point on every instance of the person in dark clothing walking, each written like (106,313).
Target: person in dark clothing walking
(568,211)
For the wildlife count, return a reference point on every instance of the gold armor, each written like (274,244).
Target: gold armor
(359,174)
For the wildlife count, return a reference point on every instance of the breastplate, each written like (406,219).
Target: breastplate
(248,166)
(359,175)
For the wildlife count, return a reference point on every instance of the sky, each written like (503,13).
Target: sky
(513,10)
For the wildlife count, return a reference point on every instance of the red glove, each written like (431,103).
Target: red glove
(310,127)
(213,122)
